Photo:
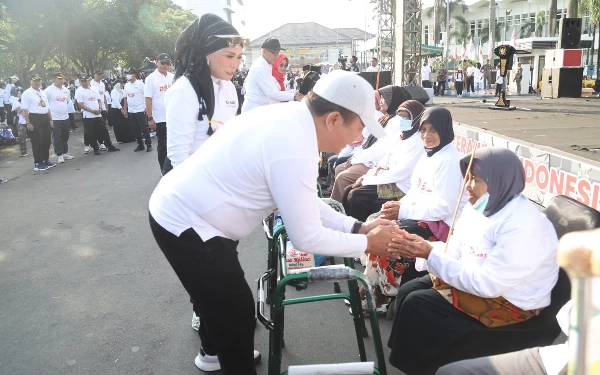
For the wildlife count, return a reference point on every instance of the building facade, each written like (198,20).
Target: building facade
(310,43)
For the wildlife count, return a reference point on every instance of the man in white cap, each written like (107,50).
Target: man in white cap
(261,87)
(219,195)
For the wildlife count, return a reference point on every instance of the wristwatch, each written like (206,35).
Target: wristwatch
(356,227)
(150,118)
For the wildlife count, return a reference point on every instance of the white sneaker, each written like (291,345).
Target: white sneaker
(61,159)
(87,149)
(152,134)
(68,157)
(103,147)
(195,321)
(210,363)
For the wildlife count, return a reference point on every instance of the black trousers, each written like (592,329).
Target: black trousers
(425,328)
(3,114)
(211,273)
(499,88)
(72,121)
(470,84)
(426,84)
(95,132)
(40,137)
(161,139)
(139,127)
(441,87)
(459,87)
(7,109)
(362,202)
(60,133)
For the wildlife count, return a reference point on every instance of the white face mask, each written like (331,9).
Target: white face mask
(405,124)
(129,76)
(481,203)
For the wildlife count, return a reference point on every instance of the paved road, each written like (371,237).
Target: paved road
(565,124)
(85,290)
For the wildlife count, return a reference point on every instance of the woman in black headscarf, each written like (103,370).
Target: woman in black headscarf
(364,158)
(207,54)
(499,270)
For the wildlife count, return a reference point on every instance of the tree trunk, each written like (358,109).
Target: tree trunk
(591,55)
(492,25)
(552,18)
(436,26)
(572,11)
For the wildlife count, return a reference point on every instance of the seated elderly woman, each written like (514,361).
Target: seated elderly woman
(499,268)
(428,205)
(390,177)
(364,158)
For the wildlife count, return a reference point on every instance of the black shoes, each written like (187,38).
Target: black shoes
(113,149)
(148,148)
(139,148)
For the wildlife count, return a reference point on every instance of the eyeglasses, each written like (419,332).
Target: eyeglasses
(235,40)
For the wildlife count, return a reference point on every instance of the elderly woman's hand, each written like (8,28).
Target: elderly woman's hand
(410,246)
(370,225)
(390,210)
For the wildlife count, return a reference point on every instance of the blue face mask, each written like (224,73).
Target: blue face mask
(481,203)
(405,124)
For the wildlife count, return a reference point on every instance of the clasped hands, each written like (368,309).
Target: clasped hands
(385,238)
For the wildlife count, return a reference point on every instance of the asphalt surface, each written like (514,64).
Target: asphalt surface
(85,290)
(567,124)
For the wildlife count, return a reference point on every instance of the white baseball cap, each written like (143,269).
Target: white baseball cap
(354,93)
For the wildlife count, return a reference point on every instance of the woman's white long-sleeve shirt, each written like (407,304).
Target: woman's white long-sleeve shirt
(400,159)
(185,133)
(371,155)
(262,88)
(510,254)
(436,183)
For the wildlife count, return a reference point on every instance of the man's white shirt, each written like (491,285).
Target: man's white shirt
(372,68)
(89,97)
(156,87)
(262,88)
(134,92)
(34,101)
(101,88)
(425,72)
(58,100)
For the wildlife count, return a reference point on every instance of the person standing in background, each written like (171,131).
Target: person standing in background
(135,106)
(3,113)
(374,67)
(518,78)
(458,82)
(486,69)
(425,74)
(6,98)
(442,78)
(20,120)
(99,85)
(58,102)
(499,82)
(471,78)
(238,82)
(38,118)
(155,88)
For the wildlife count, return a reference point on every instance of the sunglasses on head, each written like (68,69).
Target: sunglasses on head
(235,40)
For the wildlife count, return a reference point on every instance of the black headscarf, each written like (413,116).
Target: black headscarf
(393,96)
(503,173)
(441,120)
(191,48)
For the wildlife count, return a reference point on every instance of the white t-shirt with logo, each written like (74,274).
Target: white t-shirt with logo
(156,87)
(101,87)
(34,101)
(425,71)
(89,97)
(58,99)
(134,93)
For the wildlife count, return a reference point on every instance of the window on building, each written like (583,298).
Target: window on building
(473,28)
(426,34)
(517,20)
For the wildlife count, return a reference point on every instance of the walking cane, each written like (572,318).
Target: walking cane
(462,191)
(579,254)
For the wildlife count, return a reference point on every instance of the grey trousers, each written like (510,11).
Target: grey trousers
(523,362)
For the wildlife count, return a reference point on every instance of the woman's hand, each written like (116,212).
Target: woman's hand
(390,210)
(358,182)
(410,246)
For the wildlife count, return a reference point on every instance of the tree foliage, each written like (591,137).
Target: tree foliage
(84,35)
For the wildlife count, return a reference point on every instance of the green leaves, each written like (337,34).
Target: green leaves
(84,35)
